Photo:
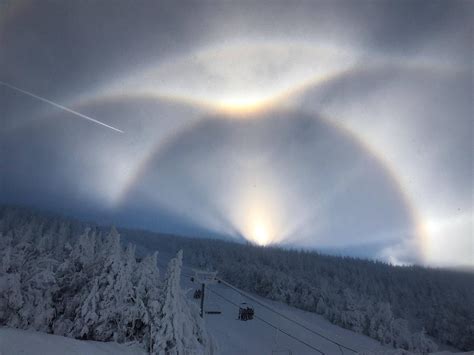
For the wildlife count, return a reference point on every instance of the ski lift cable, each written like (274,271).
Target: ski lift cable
(271,325)
(279,313)
(284,316)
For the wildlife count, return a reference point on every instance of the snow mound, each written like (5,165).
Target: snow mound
(26,342)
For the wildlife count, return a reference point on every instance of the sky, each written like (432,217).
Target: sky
(342,126)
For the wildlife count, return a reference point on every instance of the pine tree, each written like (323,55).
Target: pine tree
(180,332)
(38,284)
(149,301)
(75,275)
(381,322)
(421,343)
(111,290)
(88,315)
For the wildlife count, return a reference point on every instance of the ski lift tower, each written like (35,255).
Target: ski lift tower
(204,278)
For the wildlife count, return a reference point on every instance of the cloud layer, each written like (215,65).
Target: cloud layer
(317,124)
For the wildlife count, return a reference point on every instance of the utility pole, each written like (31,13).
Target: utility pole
(204,278)
(203,287)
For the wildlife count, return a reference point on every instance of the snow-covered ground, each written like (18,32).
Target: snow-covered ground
(257,337)
(25,342)
(234,336)
(263,335)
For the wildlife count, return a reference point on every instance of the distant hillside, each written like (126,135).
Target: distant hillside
(395,305)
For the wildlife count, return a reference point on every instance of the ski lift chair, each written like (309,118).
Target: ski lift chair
(246,311)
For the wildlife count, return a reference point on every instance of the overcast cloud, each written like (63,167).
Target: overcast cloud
(341,125)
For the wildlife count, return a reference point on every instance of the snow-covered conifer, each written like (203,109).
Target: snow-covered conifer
(180,331)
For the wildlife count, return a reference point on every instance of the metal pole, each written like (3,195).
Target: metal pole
(202,300)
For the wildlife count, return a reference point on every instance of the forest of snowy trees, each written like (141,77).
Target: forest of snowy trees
(395,305)
(56,279)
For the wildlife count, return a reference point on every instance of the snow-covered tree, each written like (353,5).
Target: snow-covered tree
(11,299)
(381,321)
(149,301)
(181,331)
(423,344)
(56,276)
(115,290)
(86,322)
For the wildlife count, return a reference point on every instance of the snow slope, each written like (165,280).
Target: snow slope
(258,336)
(25,342)
(234,336)
(269,333)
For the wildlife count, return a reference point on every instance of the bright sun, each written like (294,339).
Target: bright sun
(243,105)
(260,235)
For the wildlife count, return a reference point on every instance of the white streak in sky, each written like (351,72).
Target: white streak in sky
(59,106)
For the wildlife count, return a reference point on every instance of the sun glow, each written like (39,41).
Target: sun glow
(438,243)
(241,77)
(257,212)
(243,105)
(251,79)
(260,234)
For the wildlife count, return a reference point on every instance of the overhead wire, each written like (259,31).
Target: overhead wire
(284,316)
(242,293)
(272,325)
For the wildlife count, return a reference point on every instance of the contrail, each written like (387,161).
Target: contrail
(59,106)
